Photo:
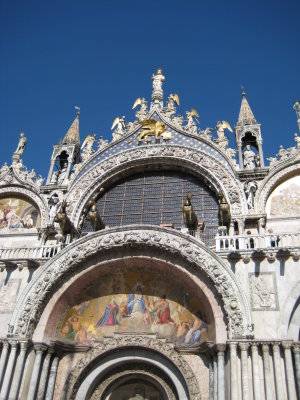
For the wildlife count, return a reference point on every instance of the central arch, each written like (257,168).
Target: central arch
(168,244)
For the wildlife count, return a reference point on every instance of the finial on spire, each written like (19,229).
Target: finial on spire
(157,93)
(78,110)
(243,91)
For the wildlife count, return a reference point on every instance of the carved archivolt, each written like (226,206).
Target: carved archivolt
(220,175)
(72,260)
(35,198)
(143,371)
(120,342)
(280,174)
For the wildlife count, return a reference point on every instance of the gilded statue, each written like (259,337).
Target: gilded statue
(94,217)
(63,220)
(189,216)
(224,212)
(151,127)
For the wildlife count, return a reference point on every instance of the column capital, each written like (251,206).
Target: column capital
(244,346)
(5,343)
(233,345)
(13,343)
(287,344)
(275,347)
(40,347)
(221,347)
(296,347)
(265,347)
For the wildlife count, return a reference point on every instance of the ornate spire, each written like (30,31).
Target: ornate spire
(246,116)
(72,136)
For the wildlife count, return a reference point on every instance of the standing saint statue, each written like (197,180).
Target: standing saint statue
(158,79)
(249,158)
(21,144)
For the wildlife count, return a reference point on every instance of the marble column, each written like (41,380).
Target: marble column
(241,165)
(4,354)
(267,372)
(233,372)
(255,372)
(44,375)
(211,378)
(289,370)
(39,349)
(244,363)
(52,377)
(221,370)
(278,372)
(296,350)
(9,369)
(17,378)
(215,378)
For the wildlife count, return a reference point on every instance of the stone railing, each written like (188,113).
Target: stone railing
(24,253)
(252,242)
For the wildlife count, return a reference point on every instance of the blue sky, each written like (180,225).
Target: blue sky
(100,55)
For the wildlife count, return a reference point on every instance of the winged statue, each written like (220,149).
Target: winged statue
(170,108)
(89,141)
(221,126)
(121,127)
(143,111)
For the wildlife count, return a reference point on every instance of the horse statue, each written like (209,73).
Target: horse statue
(94,217)
(189,216)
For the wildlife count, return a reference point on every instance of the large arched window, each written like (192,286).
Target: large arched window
(157,198)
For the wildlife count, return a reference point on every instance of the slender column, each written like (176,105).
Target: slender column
(244,363)
(44,375)
(296,350)
(255,372)
(278,373)
(260,152)
(9,370)
(52,377)
(233,372)
(267,375)
(18,371)
(215,378)
(240,155)
(289,372)
(39,349)
(211,378)
(50,171)
(4,354)
(221,370)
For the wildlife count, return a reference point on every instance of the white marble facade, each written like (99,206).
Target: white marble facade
(247,280)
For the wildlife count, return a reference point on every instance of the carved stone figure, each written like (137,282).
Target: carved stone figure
(178,121)
(102,143)
(170,108)
(121,127)
(94,217)
(189,216)
(21,145)
(87,147)
(283,153)
(62,174)
(4,169)
(158,79)
(297,140)
(250,189)
(53,208)
(191,124)
(142,113)
(272,161)
(249,158)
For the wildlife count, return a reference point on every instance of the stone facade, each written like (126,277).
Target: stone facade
(159,309)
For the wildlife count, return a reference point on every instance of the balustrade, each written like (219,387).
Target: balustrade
(25,253)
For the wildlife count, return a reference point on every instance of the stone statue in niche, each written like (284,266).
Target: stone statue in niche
(249,158)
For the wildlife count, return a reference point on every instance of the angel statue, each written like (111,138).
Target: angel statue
(121,127)
(21,144)
(222,140)
(102,143)
(191,124)
(170,108)
(143,111)
(87,146)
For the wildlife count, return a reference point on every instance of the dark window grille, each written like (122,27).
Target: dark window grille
(157,198)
